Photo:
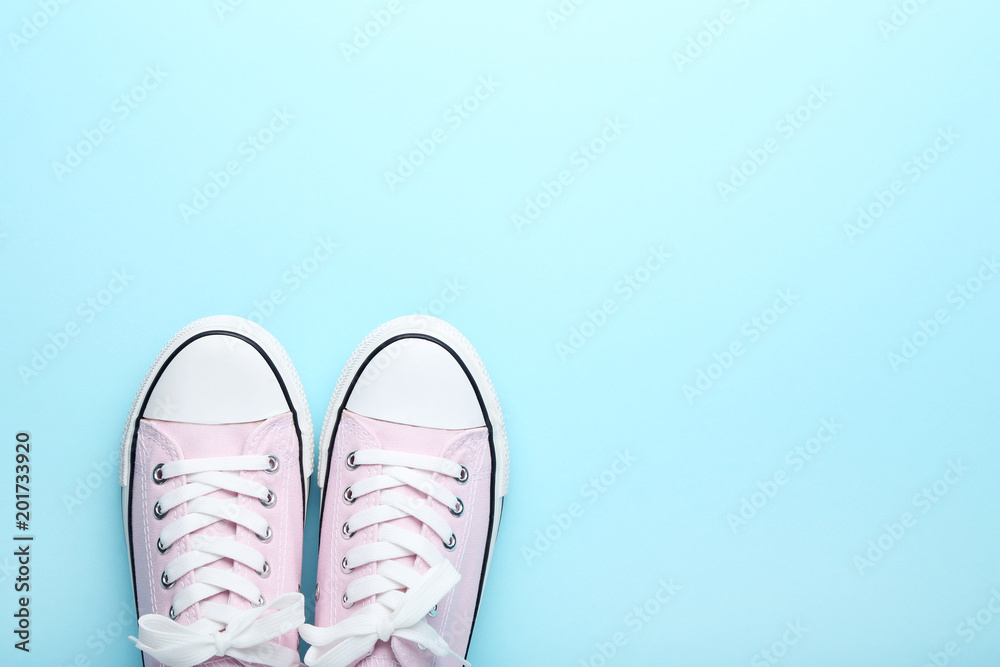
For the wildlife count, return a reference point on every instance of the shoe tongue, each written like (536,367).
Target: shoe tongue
(394,437)
(205,441)
(414,440)
(208,441)
(407,438)
(381,656)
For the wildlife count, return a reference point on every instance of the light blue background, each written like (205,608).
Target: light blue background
(521,293)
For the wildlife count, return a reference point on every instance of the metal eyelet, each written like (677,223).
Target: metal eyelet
(351,465)
(266,572)
(158,474)
(433,612)
(458,509)
(346,530)
(159,547)
(271,498)
(272,464)
(266,537)
(349,496)
(173,616)
(259,602)
(158,511)
(165,582)
(451,543)
(463,475)
(343,564)
(347,603)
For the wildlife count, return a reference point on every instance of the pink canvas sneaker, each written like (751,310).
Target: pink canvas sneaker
(414,468)
(215,460)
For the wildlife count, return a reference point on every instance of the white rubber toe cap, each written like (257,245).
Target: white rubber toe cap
(216,379)
(418,382)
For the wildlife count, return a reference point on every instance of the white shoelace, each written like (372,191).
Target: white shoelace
(222,630)
(403,597)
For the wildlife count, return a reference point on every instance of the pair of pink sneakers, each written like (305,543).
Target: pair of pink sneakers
(215,467)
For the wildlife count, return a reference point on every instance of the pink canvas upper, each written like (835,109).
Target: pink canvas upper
(456,610)
(161,442)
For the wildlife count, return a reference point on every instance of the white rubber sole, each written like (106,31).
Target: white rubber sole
(277,355)
(459,344)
